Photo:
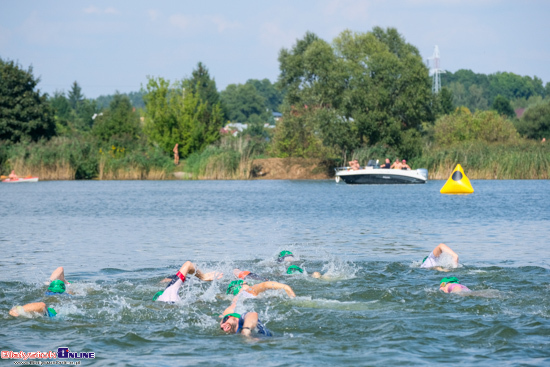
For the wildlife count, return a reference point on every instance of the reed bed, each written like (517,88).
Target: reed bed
(525,160)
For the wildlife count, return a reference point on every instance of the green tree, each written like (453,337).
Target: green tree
(119,123)
(24,111)
(273,96)
(535,122)
(176,115)
(462,126)
(503,107)
(202,86)
(75,96)
(375,82)
(476,99)
(62,112)
(243,101)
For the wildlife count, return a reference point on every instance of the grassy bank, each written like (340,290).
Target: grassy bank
(63,158)
(523,160)
(230,159)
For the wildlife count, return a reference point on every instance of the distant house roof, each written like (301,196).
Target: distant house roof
(277,114)
(233,128)
(519,112)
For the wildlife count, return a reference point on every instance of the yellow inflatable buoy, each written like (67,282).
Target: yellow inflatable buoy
(458,183)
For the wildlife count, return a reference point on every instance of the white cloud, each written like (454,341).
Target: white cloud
(181,21)
(273,35)
(153,14)
(222,24)
(111,10)
(349,9)
(219,22)
(94,10)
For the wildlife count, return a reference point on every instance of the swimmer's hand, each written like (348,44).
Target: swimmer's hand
(289,291)
(209,276)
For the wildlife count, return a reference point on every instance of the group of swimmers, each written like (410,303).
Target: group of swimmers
(232,322)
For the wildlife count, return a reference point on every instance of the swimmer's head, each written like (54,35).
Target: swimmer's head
(285,256)
(51,312)
(234,287)
(230,322)
(448,280)
(292,269)
(57,286)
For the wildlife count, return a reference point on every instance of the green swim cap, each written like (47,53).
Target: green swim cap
(57,286)
(51,312)
(234,287)
(285,253)
(230,314)
(294,268)
(157,295)
(449,280)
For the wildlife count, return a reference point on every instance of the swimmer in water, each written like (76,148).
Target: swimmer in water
(240,288)
(452,285)
(170,293)
(30,309)
(58,283)
(285,256)
(244,275)
(294,269)
(244,324)
(434,261)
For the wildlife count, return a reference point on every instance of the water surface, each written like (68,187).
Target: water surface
(117,240)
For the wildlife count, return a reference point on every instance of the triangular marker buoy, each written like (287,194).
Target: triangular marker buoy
(457,183)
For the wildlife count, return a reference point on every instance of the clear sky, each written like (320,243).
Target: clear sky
(114,45)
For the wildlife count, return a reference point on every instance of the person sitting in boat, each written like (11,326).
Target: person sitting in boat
(354,165)
(241,288)
(13,176)
(404,165)
(397,164)
(244,324)
(32,309)
(386,165)
(452,285)
(170,293)
(433,260)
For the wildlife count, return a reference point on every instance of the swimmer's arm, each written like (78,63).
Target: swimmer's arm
(208,277)
(39,307)
(262,287)
(231,307)
(250,323)
(444,248)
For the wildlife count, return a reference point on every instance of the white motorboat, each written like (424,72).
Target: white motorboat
(374,175)
(21,179)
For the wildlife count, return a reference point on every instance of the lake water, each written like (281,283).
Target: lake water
(118,239)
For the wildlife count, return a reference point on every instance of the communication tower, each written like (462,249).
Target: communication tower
(435,71)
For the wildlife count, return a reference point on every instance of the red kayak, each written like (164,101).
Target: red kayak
(26,179)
